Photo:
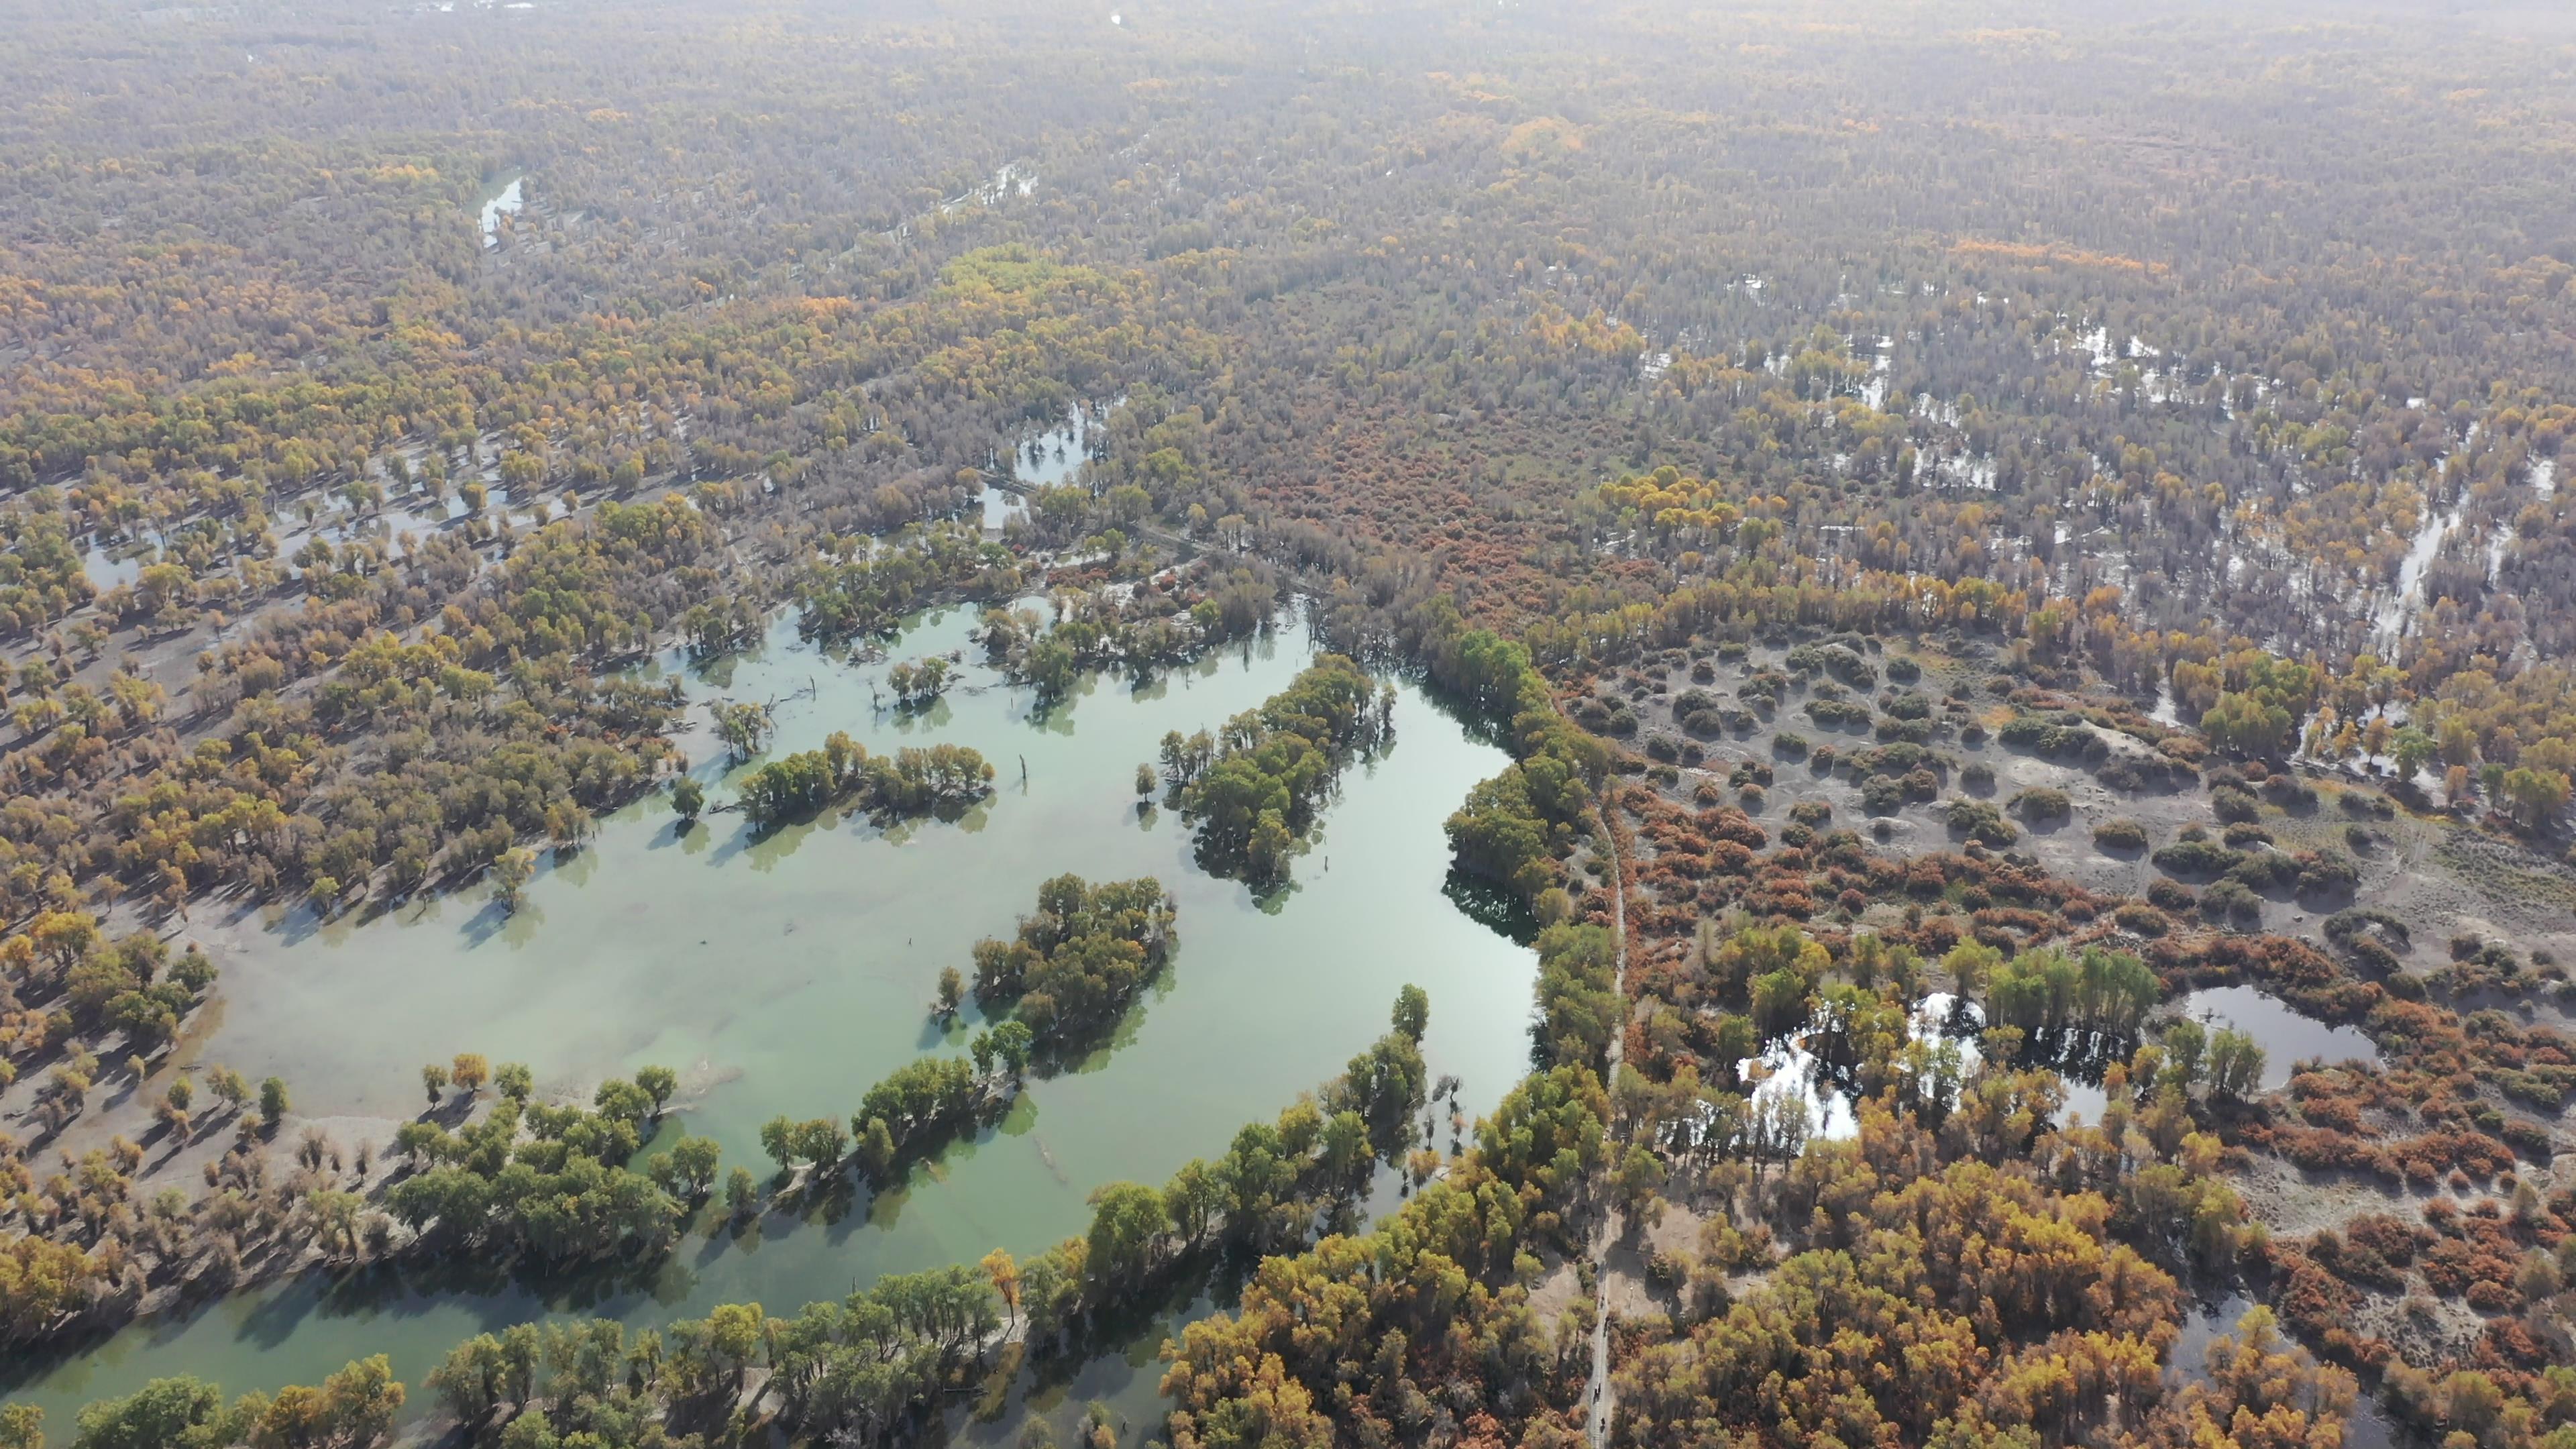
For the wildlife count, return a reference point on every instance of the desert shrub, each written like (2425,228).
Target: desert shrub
(2290,792)
(2120,835)
(2041,804)
(2230,803)
(2232,903)
(1979,821)
(2141,920)
(2202,859)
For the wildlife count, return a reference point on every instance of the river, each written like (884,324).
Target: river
(786,974)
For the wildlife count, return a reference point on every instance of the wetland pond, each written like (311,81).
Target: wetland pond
(788,973)
(2286,1036)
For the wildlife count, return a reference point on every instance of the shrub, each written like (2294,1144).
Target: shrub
(2141,920)
(2196,858)
(2042,804)
(2231,902)
(2290,792)
(2229,803)
(2120,835)
(1980,821)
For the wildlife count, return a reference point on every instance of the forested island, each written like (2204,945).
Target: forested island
(1287,724)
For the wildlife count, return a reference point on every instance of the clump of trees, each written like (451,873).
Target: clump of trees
(871,1367)
(1254,802)
(1517,826)
(941,779)
(548,1185)
(353,1408)
(1080,960)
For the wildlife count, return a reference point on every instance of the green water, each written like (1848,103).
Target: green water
(785,975)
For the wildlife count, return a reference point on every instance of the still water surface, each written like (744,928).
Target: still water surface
(786,974)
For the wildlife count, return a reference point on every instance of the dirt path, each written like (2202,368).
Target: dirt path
(1597,1426)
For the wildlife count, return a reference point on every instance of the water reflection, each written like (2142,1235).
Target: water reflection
(2286,1036)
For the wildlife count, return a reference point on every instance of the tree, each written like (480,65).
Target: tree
(1412,1014)
(1013,1042)
(2411,749)
(228,1087)
(999,1269)
(511,872)
(952,990)
(272,1102)
(2536,796)
(514,1081)
(474,1379)
(433,1079)
(621,1100)
(2235,1064)
(22,1426)
(469,1072)
(688,798)
(742,1194)
(693,1163)
(162,1414)
(1126,1218)
(733,1334)
(744,728)
(876,1147)
(657,1083)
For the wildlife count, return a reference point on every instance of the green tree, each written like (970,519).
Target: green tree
(511,871)
(433,1080)
(2235,1064)
(621,1100)
(273,1103)
(693,1163)
(657,1084)
(2411,749)
(1412,1014)
(688,799)
(1126,1218)
(163,1414)
(733,1334)
(1012,1042)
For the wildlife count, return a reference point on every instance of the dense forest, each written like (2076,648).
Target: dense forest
(1983,526)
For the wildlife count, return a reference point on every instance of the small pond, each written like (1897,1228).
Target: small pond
(2285,1036)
